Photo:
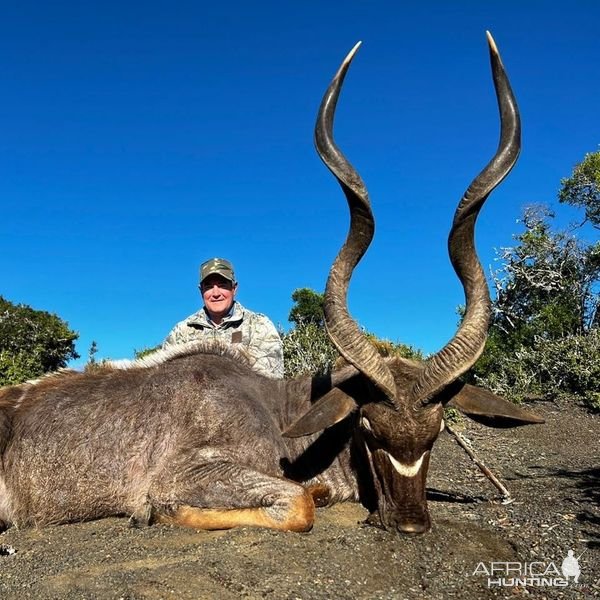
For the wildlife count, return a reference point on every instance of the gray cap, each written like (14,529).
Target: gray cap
(217,266)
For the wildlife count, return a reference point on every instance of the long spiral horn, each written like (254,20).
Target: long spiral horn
(341,327)
(461,352)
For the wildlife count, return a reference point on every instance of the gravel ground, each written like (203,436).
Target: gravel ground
(551,470)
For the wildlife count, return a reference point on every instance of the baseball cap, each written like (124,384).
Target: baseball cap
(217,266)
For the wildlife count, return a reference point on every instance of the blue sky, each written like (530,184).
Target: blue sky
(138,139)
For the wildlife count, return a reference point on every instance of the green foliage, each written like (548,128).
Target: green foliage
(308,307)
(32,342)
(93,350)
(307,350)
(567,367)
(548,282)
(145,351)
(389,348)
(544,330)
(452,416)
(582,189)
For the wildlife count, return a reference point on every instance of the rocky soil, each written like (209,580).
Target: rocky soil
(551,470)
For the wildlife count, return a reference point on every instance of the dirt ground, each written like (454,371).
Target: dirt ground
(551,470)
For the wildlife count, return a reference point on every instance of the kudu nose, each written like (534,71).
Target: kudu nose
(412,527)
(409,522)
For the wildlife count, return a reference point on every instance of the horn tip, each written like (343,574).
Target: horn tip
(491,42)
(353,51)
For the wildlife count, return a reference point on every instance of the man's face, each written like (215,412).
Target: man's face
(218,294)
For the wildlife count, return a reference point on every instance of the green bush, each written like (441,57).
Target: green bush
(544,339)
(388,348)
(307,350)
(32,342)
(567,367)
(307,308)
(582,189)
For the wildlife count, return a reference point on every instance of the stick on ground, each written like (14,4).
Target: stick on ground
(480,465)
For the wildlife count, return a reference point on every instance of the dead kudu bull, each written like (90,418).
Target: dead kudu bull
(194,438)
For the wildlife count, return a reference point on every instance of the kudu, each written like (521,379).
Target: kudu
(192,436)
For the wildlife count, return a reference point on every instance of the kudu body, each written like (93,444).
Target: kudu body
(193,436)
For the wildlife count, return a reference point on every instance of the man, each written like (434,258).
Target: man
(223,318)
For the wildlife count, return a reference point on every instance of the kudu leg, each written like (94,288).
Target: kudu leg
(215,518)
(224,495)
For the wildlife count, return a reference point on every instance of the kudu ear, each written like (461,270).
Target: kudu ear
(334,406)
(491,410)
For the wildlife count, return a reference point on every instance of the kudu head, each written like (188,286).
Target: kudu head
(401,406)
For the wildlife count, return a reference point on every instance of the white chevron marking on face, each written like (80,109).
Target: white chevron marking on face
(407,470)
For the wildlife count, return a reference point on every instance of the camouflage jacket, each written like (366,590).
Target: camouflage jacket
(254,331)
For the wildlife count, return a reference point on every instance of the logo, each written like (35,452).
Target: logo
(532,574)
(570,566)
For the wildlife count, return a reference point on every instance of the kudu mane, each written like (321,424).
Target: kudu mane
(154,359)
(158,357)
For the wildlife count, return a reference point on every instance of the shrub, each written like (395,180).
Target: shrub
(388,348)
(307,350)
(558,368)
(32,342)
